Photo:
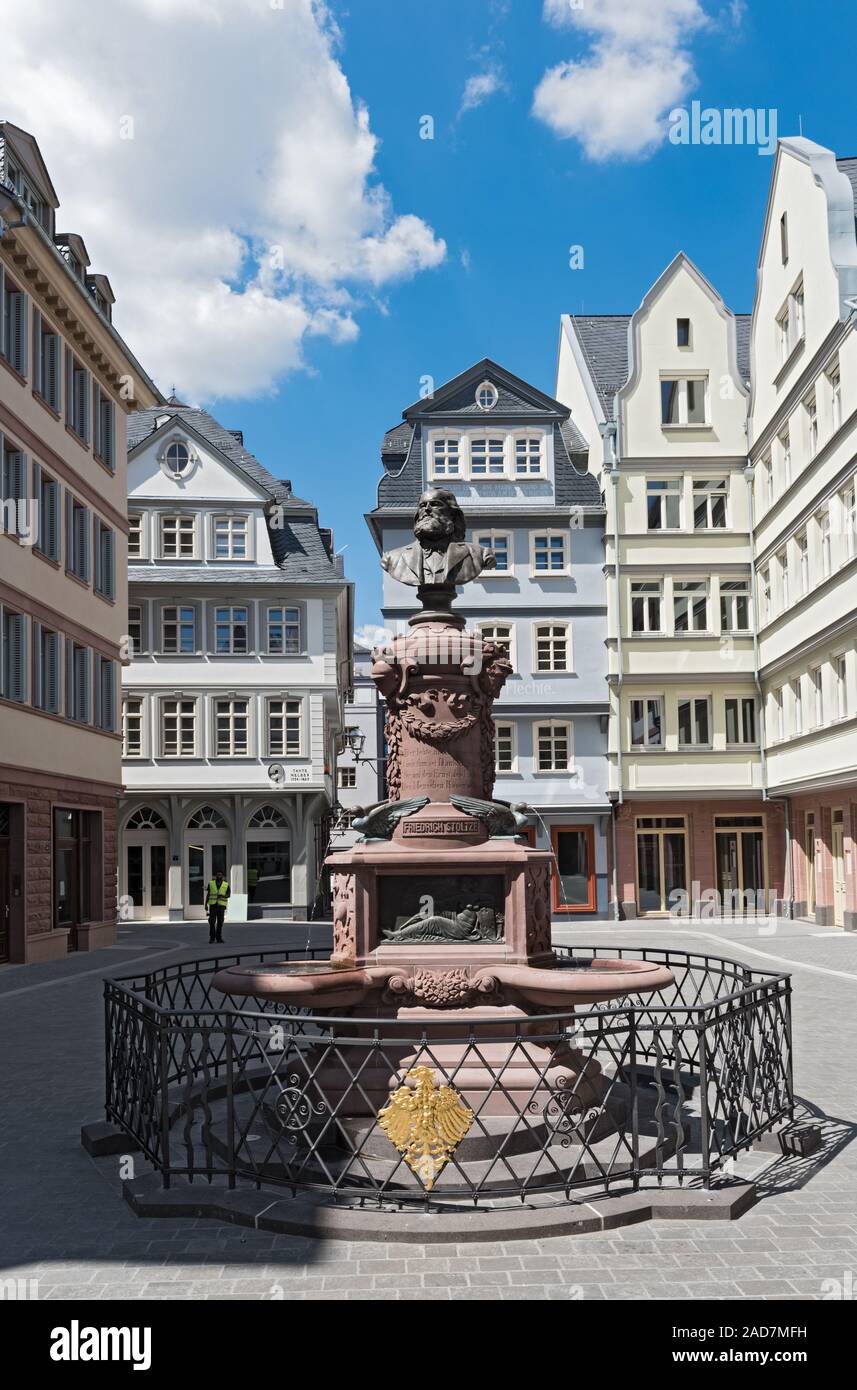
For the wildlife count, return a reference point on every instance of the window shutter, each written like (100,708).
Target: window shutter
(110,695)
(69,531)
(69,678)
(18,332)
(52,385)
(108,432)
(96,549)
(111,564)
(96,420)
(69,386)
(99,662)
(38,384)
(38,692)
(83,539)
(17,476)
(18,671)
(85,405)
(50,503)
(54,672)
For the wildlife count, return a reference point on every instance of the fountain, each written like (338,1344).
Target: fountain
(441,912)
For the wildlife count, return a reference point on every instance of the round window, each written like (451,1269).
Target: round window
(486,396)
(178,458)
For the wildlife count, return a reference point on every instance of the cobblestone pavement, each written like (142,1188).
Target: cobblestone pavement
(65,1225)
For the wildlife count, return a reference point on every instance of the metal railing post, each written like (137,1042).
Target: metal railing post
(704,1116)
(165,1102)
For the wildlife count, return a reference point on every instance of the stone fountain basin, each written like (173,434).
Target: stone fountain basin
(312,984)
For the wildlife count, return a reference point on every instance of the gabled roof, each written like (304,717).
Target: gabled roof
(515,398)
(143,426)
(28,150)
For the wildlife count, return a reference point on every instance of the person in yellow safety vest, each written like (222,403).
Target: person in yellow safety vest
(218,896)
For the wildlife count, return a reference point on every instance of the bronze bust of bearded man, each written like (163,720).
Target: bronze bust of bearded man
(440,557)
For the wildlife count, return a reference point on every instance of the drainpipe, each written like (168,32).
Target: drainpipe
(608,434)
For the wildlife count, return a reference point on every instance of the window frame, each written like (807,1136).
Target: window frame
(554,725)
(657,593)
(486,628)
(687,590)
(664,490)
(129,697)
(729,601)
(285,715)
(230,518)
(682,396)
(646,742)
(741,703)
(178,701)
(511,725)
(179,623)
(550,533)
(716,489)
(560,631)
(703,745)
(193,531)
(479,538)
(301,627)
(234,716)
(588,832)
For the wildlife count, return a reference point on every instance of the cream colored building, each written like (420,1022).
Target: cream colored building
(661,397)
(67,381)
(803,443)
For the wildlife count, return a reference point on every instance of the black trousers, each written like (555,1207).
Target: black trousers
(215,923)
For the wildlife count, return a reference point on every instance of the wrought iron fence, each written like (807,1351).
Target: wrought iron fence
(662,1088)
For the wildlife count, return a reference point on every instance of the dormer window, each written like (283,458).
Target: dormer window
(177,458)
(486,395)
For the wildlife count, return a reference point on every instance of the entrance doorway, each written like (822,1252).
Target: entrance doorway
(837,846)
(76,853)
(809,861)
(146,844)
(661,861)
(5,883)
(268,860)
(742,863)
(206,852)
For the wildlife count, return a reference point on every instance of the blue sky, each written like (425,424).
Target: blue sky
(287,250)
(509,197)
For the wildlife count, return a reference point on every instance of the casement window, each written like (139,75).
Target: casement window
(802,546)
(284,631)
(553,746)
(709,504)
(741,720)
(504,636)
(132,726)
(77,395)
(285,734)
(784,238)
(13,655)
(178,728)
(135,629)
(231,631)
(178,537)
(735,605)
(230,537)
(177,458)
(646,601)
(694,722)
(552,647)
(790,323)
(826,540)
(684,400)
(13,324)
(647,722)
(663,504)
(104,419)
(46,491)
(500,542)
(46,361)
(810,407)
(785,445)
(135,536)
(834,381)
(346,777)
(104,546)
(529,456)
(816,681)
(446,456)
(78,672)
(682,332)
(549,552)
(848,499)
(178,630)
(47,658)
(764,482)
(778,723)
(487,456)
(77,537)
(783,561)
(765,592)
(690,605)
(232,727)
(504,747)
(487,395)
(105,694)
(840,671)
(797,705)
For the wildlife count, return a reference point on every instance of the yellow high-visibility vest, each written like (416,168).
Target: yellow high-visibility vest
(217,896)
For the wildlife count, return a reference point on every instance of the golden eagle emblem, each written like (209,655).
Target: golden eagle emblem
(426,1123)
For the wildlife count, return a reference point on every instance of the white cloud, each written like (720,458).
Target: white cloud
(245,213)
(479,88)
(371,635)
(614,101)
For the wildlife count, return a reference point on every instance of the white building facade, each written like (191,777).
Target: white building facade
(239,624)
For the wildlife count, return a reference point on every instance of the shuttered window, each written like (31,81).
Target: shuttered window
(46,669)
(77,537)
(132,726)
(76,396)
(14,485)
(46,361)
(13,655)
(105,693)
(105,559)
(103,415)
(78,667)
(13,324)
(46,491)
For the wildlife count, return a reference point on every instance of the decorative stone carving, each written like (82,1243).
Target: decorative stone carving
(471,924)
(344,891)
(538,909)
(379,821)
(442,989)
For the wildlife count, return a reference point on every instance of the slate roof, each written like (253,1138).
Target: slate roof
(142,423)
(604,342)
